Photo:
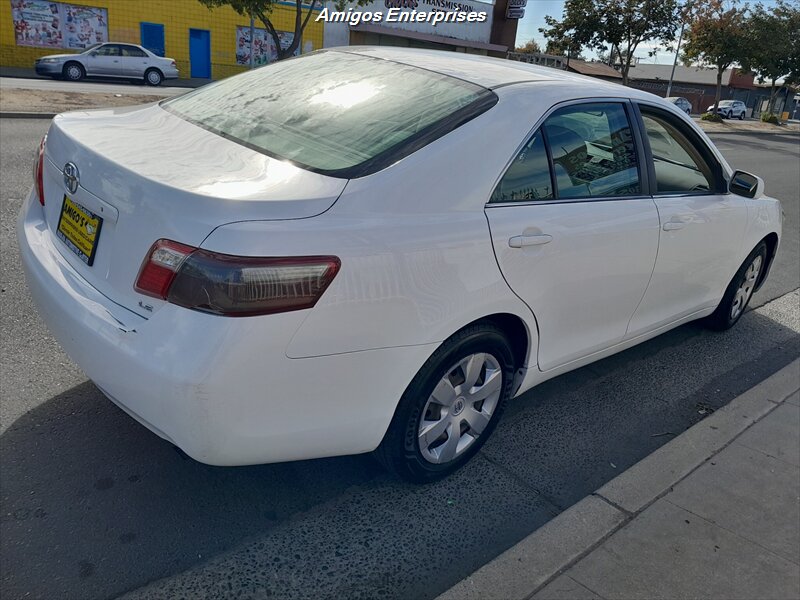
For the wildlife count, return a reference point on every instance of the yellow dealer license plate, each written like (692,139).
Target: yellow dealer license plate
(79,229)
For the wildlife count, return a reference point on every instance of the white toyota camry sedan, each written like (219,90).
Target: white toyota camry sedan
(374,249)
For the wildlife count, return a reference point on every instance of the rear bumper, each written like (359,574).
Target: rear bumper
(221,389)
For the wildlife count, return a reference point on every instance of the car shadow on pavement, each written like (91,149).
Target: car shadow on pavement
(94,505)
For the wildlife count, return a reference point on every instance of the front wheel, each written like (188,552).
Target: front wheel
(73,72)
(739,291)
(451,406)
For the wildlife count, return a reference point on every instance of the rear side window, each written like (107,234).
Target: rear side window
(334,112)
(132,51)
(679,167)
(528,177)
(593,151)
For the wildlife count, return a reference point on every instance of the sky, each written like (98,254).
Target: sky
(535,11)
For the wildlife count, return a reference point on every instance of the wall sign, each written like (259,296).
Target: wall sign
(264,50)
(46,24)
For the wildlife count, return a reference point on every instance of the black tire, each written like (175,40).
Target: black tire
(724,317)
(741,116)
(153,77)
(400,451)
(73,71)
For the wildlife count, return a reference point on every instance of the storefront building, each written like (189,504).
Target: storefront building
(204,43)
(493,35)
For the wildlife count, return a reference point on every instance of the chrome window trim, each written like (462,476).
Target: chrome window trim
(568,201)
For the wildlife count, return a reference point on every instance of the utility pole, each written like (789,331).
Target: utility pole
(678,49)
(252,36)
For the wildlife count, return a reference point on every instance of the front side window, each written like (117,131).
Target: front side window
(334,112)
(108,50)
(678,165)
(593,151)
(528,177)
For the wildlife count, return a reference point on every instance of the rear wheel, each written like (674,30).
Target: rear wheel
(739,291)
(741,116)
(153,77)
(74,71)
(451,406)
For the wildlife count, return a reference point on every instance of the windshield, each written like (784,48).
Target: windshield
(725,102)
(90,48)
(334,112)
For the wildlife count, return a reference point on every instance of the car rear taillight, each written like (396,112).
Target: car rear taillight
(38,171)
(235,286)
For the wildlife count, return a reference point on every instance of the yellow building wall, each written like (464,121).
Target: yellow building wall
(177,16)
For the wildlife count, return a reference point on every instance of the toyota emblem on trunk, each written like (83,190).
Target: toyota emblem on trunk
(71,177)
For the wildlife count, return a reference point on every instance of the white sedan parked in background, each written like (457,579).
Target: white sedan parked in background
(126,61)
(376,248)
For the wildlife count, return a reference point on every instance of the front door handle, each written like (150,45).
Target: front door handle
(518,241)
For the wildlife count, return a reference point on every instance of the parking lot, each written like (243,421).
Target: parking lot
(96,506)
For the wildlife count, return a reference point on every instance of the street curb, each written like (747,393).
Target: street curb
(26,115)
(746,132)
(526,568)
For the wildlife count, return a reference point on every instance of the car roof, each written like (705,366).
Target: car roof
(481,70)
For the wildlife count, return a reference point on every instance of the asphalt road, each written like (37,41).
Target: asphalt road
(90,86)
(92,505)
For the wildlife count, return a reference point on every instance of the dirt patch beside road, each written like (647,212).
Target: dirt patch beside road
(18,100)
(747,126)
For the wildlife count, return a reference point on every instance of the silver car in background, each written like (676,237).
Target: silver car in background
(681,103)
(125,61)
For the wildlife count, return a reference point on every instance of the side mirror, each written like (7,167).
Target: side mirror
(746,184)
(93,53)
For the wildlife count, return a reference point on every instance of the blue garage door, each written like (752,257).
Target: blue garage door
(200,52)
(152,37)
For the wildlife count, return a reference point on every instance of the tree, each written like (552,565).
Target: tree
(261,10)
(626,24)
(618,27)
(773,45)
(574,31)
(531,47)
(717,37)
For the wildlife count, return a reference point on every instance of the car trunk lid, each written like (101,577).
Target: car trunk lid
(149,175)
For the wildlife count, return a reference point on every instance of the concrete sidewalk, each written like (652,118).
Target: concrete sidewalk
(715,513)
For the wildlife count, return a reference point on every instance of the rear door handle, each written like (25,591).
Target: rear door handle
(673,225)
(518,241)
(676,223)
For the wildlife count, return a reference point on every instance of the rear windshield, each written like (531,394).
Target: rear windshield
(334,112)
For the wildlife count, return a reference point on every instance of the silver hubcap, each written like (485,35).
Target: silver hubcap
(74,72)
(153,77)
(742,295)
(460,407)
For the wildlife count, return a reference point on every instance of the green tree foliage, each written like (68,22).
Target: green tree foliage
(261,9)
(574,31)
(717,37)
(773,45)
(530,47)
(615,26)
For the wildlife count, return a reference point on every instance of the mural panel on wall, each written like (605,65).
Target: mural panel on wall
(58,25)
